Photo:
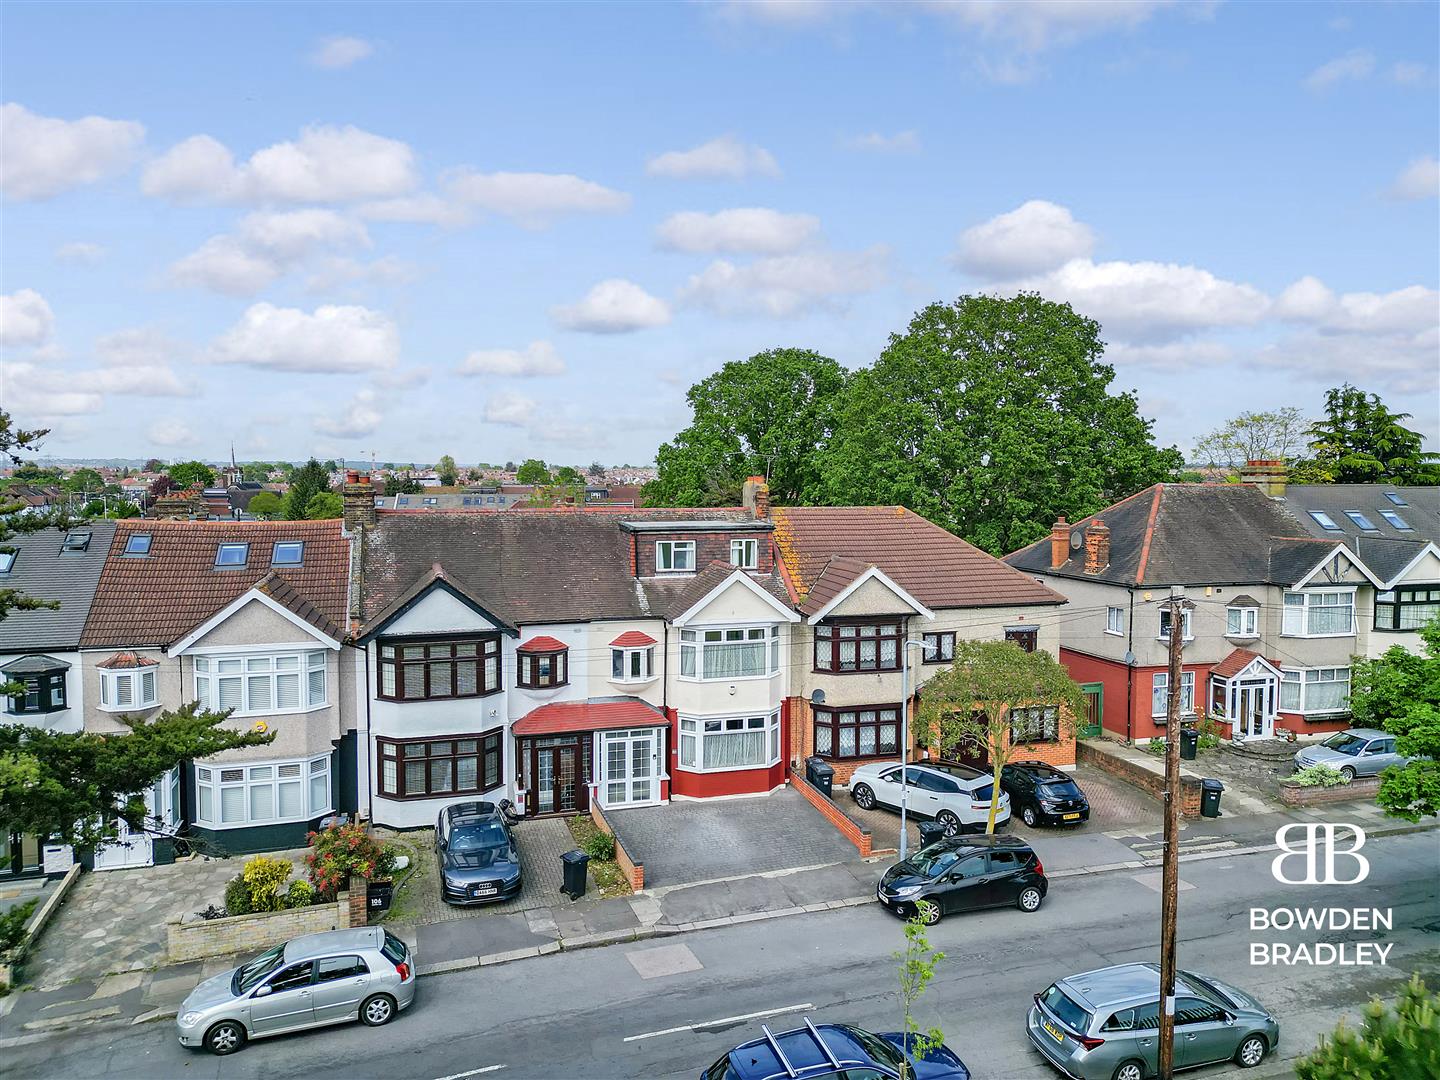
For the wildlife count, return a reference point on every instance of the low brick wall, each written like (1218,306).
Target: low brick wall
(853,832)
(633,871)
(1148,775)
(1292,794)
(193,938)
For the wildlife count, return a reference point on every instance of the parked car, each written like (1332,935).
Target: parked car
(309,981)
(963,874)
(957,796)
(476,852)
(1355,752)
(1104,1024)
(834,1052)
(1043,795)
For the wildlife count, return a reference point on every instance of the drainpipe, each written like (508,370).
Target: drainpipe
(369,764)
(1130,674)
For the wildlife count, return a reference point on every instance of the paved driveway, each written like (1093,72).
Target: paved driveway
(689,841)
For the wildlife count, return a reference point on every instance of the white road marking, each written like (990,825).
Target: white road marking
(472,1072)
(708,1024)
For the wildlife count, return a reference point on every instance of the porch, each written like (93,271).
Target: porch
(610,749)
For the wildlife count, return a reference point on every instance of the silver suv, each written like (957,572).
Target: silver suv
(1104,1024)
(310,981)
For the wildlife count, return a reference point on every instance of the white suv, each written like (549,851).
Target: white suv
(957,796)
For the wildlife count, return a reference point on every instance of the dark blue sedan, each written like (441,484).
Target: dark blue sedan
(476,853)
(833,1052)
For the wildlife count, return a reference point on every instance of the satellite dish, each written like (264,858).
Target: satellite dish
(817,697)
(1077,539)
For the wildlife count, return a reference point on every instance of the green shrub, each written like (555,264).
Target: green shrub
(12,924)
(300,894)
(237,897)
(1391,1044)
(264,878)
(343,851)
(1320,776)
(600,846)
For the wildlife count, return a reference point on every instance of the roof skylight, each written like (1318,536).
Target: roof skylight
(1324,520)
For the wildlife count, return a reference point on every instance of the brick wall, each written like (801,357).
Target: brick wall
(1362,788)
(709,548)
(1143,774)
(634,872)
(858,836)
(253,933)
(359,902)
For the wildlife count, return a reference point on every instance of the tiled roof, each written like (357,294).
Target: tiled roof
(633,639)
(34,664)
(125,661)
(936,567)
(564,717)
(542,644)
(1235,663)
(671,597)
(42,571)
(1421,510)
(158,599)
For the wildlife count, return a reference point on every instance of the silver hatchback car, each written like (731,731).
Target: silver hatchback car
(1104,1024)
(1355,752)
(365,973)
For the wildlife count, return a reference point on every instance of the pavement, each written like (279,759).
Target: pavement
(668,1008)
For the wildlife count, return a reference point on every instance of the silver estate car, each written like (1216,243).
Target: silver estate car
(1104,1024)
(365,973)
(1355,752)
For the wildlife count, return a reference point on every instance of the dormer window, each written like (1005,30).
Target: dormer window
(232,555)
(288,553)
(542,662)
(76,540)
(745,553)
(674,556)
(138,544)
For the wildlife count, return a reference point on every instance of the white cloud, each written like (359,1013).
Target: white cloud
(785,285)
(425,208)
(172,432)
(44,155)
(145,381)
(33,391)
(265,246)
(25,318)
(1396,363)
(333,53)
(1408,73)
(403,380)
(1409,310)
(614,306)
(748,230)
(511,410)
(725,158)
(1169,357)
(222,264)
(1419,180)
(875,142)
(137,362)
(1354,66)
(79,253)
(534,200)
(359,417)
(332,339)
(333,272)
(539,358)
(1030,239)
(295,234)
(568,432)
(325,164)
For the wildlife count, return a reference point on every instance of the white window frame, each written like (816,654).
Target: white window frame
(310,775)
(1160,692)
(745,553)
(631,659)
(696,732)
(210,670)
(1299,680)
(671,549)
(1242,622)
(1186,626)
(1115,620)
(694,642)
(141,689)
(1296,609)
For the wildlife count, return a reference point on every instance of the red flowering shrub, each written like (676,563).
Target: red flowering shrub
(341,852)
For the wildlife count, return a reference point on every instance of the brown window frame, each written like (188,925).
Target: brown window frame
(829,716)
(489,748)
(939,639)
(1028,638)
(527,668)
(484,652)
(834,635)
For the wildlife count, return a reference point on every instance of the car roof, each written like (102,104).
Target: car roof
(984,843)
(1111,986)
(803,1051)
(331,942)
(952,769)
(1041,768)
(1366,732)
(462,813)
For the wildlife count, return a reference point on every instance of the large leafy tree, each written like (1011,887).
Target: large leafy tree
(1271,435)
(771,415)
(446,471)
(189,473)
(306,482)
(401,485)
(533,471)
(568,475)
(324,504)
(266,505)
(16,519)
(1360,441)
(1400,692)
(991,416)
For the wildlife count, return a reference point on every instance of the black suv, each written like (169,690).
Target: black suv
(1041,794)
(964,873)
(476,853)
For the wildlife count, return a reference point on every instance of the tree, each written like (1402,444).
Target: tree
(596,470)
(187,474)
(533,471)
(153,465)
(74,785)
(1398,1044)
(991,416)
(305,483)
(1360,441)
(84,480)
(93,509)
(324,504)
(917,967)
(772,415)
(991,697)
(266,505)
(255,472)
(446,471)
(401,485)
(568,474)
(16,519)
(1400,693)
(161,485)
(1275,435)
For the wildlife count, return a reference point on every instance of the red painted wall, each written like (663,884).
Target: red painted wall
(1091,669)
(737,782)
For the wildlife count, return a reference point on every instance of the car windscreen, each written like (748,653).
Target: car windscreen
(484,837)
(1342,742)
(393,949)
(879,1050)
(931,862)
(247,976)
(1071,1013)
(1205,988)
(1060,789)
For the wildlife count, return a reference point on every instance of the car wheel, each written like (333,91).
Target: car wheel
(378,1010)
(1251,1052)
(1029,816)
(1029,899)
(225,1038)
(1348,773)
(1129,1070)
(928,911)
(950,821)
(863,796)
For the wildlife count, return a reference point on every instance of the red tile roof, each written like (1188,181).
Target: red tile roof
(542,644)
(123,660)
(158,599)
(1235,663)
(568,717)
(633,639)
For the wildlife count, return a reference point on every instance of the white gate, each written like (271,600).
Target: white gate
(126,850)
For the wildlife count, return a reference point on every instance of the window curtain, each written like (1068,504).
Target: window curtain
(733,660)
(732,749)
(1331,613)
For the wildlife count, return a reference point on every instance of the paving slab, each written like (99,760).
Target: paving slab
(438,942)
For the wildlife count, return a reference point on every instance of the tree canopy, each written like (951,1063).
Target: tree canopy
(1400,693)
(533,471)
(187,474)
(256,472)
(569,475)
(324,504)
(1272,435)
(401,485)
(305,483)
(1398,1044)
(446,471)
(266,505)
(1360,441)
(16,519)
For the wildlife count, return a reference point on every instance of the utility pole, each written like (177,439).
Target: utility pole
(1170,873)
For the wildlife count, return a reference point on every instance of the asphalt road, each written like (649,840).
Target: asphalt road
(591,1014)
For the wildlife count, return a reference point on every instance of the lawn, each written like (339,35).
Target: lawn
(605,874)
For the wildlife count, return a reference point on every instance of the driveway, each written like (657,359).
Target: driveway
(705,840)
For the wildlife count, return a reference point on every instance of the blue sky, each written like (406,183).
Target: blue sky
(500,231)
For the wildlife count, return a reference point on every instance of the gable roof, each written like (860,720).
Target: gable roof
(817,608)
(1238,661)
(41,571)
(934,566)
(159,598)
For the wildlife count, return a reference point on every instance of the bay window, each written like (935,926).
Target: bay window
(1319,614)
(1186,632)
(452,668)
(431,768)
(1316,690)
(286,682)
(44,681)
(1160,693)
(132,689)
(866,731)
(1406,609)
(632,665)
(538,670)
(1242,622)
(716,744)
(844,647)
(742,652)
(232,796)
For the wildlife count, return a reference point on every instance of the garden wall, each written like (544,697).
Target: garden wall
(855,833)
(1145,770)
(634,872)
(1364,788)
(193,938)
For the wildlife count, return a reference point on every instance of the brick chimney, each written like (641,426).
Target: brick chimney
(755,497)
(179,506)
(1059,542)
(1097,546)
(358,495)
(1266,474)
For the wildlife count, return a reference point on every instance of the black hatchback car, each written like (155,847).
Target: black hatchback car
(964,873)
(476,852)
(1041,794)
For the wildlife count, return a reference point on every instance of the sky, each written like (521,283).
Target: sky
(509,230)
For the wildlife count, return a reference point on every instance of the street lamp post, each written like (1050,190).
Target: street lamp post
(905,739)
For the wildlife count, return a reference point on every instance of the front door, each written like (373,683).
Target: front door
(1254,717)
(126,850)
(630,767)
(556,779)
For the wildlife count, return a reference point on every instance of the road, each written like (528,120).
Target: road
(591,1013)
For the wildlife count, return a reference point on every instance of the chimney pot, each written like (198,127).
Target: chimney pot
(755,497)
(1059,542)
(1097,546)
(352,476)
(1267,474)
